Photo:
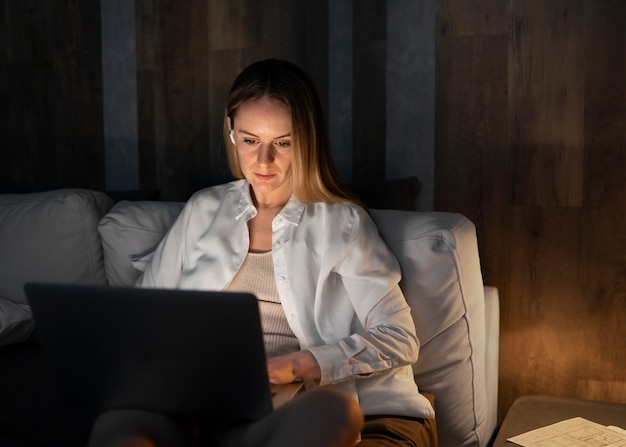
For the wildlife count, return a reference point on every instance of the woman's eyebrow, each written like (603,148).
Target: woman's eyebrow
(256,136)
(248,133)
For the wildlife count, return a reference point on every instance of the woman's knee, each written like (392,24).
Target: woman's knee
(137,428)
(323,417)
(341,413)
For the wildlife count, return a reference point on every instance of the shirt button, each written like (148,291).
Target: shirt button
(282,278)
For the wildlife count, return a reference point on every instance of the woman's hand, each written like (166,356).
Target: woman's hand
(291,367)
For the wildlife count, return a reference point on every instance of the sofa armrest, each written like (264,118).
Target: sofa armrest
(492,353)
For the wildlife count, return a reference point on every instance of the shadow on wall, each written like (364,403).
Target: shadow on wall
(399,194)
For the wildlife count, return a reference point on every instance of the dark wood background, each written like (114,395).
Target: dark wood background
(531,144)
(188,53)
(51,93)
(530,140)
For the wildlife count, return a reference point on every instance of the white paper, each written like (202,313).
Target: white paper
(618,429)
(575,432)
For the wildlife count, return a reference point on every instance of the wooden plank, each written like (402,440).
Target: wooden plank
(546,87)
(369,100)
(148,55)
(172,94)
(53,102)
(463,18)
(605,106)
(76,95)
(316,36)
(474,69)
(543,311)
(603,243)
(233,25)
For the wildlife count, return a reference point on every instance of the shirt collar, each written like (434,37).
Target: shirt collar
(245,206)
(291,212)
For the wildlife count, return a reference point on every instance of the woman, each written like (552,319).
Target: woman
(332,312)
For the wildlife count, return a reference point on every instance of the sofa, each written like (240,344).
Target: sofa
(83,236)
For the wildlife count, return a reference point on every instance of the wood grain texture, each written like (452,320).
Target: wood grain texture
(531,146)
(172,92)
(546,91)
(368,104)
(52,105)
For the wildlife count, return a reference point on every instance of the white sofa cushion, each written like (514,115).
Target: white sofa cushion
(46,236)
(130,231)
(50,236)
(16,322)
(442,281)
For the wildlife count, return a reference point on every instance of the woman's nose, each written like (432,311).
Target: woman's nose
(266,154)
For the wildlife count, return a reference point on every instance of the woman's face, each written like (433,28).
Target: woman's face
(262,132)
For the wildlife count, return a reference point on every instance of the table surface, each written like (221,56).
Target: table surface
(530,412)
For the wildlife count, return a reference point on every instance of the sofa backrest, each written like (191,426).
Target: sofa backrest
(131,230)
(442,282)
(50,236)
(46,236)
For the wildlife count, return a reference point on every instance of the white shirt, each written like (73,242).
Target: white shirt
(337,281)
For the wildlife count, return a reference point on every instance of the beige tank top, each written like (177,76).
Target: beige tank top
(257,276)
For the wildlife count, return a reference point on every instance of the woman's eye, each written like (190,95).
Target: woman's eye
(283,144)
(249,141)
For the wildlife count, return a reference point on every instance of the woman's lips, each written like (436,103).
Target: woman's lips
(263,176)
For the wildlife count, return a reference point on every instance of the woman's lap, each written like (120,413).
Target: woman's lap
(321,417)
(378,431)
(397,431)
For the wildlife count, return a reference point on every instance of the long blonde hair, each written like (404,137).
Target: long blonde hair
(314,178)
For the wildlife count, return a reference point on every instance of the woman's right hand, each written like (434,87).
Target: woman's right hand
(294,366)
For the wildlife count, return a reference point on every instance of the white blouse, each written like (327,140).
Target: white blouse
(337,281)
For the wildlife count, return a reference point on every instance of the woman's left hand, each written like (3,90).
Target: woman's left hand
(291,367)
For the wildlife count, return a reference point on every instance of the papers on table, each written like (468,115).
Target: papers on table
(575,432)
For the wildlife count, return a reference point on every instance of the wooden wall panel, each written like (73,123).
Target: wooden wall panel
(172,91)
(605,198)
(187,55)
(51,91)
(605,106)
(603,281)
(369,84)
(475,70)
(531,145)
(546,90)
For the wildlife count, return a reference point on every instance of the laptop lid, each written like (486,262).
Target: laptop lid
(171,351)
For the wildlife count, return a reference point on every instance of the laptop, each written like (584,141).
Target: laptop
(170,351)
